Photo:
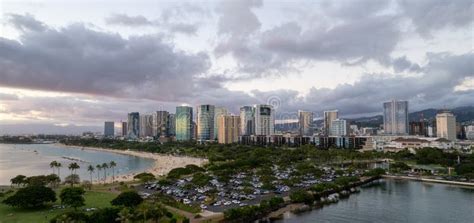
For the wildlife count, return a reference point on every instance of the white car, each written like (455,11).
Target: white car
(186,201)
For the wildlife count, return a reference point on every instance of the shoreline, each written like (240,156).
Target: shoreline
(459,183)
(163,164)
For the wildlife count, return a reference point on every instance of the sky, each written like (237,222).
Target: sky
(68,66)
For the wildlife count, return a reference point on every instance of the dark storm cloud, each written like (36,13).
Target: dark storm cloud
(432,15)
(78,59)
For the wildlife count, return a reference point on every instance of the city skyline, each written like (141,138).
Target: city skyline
(101,63)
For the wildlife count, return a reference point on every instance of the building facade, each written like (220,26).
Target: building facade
(218,112)
(339,127)
(172,125)
(446,125)
(205,122)
(124,129)
(247,120)
(305,123)
(160,124)
(264,120)
(329,116)
(146,126)
(229,129)
(133,126)
(395,117)
(109,129)
(184,123)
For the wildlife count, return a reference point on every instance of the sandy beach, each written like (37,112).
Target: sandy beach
(163,163)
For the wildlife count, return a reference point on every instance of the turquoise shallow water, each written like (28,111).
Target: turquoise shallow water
(398,201)
(22,159)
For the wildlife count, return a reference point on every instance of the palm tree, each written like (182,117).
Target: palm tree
(53,164)
(90,169)
(105,166)
(99,168)
(73,167)
(59,165)
(125,215)
(112,165)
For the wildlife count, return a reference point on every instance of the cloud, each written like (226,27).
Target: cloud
(25,22)
(8,97)
(164,23)
(126,20)
(401,64)
(78,59)
(432,15)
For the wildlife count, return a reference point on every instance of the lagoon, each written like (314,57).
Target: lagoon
(34,159)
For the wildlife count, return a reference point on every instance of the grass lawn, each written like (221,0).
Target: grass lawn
(9,214)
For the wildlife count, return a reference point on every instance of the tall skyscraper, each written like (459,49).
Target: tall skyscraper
(160,123)
(264,120)
(247,120)
(305,122)
(205,122)
(339,127)
(329,116)
(446,125)
(133,126)
(146,125)
(229,129)
(395,117)
(109,129)
(124,129)
(171,125)
(184,123)
(218,111)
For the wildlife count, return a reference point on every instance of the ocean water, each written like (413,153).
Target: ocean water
(34,159)
(398,201)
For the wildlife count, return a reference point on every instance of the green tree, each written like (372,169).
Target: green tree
(127,199)
(73,167)
(112,165)
(58,166)
(73,197)
(31,197)
(53,165)
(71,217)
(125,215)
(104,215)
(18,180)
(104,167)
(72,179)
(53,180)
(99,168)
(90,169)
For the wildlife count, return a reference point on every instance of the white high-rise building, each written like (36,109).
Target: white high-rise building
(305,122)
(329,116)
(264,120)
(446,125)
(146,126)
(218,111)
(470,132)
(247,120)
(339,127)
(395,117)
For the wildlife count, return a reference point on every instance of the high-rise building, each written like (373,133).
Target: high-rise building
(229,129)
(124,129)
(146,126)
(218,111)
(133,126)
(247,120)
(171,125)
(205,122)
(329,116)
(339,127)
(418,128)
(109,129)
(305,122)
(264,120)
(446,125)
(395,117)
(469,132)
(184,123)
(160,124)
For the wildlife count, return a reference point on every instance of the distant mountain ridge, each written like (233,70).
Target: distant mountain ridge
(463,114)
